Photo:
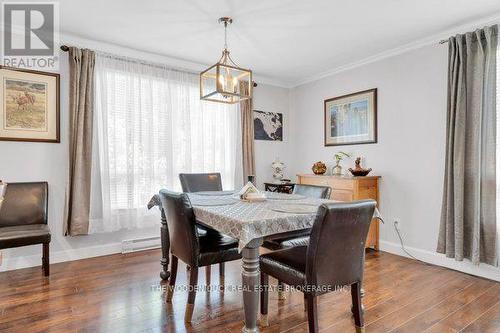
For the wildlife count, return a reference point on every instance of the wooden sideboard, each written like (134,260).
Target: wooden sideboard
(348,188)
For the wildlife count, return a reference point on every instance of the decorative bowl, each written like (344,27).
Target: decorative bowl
(360,172)
(319,168)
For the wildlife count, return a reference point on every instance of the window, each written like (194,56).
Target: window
(149,126)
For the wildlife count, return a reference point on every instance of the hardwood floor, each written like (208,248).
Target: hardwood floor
(121,293)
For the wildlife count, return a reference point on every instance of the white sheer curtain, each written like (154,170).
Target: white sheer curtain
(498,149)
(150,125)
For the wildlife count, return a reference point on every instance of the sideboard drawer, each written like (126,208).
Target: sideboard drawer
(321,181)
(341,195)
(341,184)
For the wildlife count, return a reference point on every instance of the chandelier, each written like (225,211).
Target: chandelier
(225,82)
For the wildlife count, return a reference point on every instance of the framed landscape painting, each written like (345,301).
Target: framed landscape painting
(268,126)
(351,119)
(30,105)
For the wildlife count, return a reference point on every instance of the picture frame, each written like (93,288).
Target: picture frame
(30,105)
(268,126)
(351,119)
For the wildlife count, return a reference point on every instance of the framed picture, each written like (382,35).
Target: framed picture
(30,105)
(351,119)
(268,126)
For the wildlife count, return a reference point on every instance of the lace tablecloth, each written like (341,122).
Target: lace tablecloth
(246,221)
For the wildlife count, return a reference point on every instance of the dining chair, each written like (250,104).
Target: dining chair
(299,237)
(194,249)
(23,218)
(333,259)
(200,182)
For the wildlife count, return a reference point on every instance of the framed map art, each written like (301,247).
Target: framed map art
(268,126)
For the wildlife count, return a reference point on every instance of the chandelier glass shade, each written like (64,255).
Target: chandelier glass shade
(225,82)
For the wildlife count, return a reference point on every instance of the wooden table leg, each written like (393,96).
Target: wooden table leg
(251,280)
(165,247)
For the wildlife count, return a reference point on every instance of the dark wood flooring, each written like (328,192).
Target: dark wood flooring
(120,293)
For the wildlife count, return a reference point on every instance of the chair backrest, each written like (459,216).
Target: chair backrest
(313,191)
(181,221)
(336,252)
(197,182)
(25,203)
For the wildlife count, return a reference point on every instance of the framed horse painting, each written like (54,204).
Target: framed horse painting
(30,105)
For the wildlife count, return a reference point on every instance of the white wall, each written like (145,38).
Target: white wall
(21,161)
(410,151)
(273,99)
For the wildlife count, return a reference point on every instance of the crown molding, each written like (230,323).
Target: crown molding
(434,39)
(72,39)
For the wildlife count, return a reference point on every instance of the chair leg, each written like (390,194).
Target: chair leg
(208,275)
(281,291)
(173,276)
(264,299)
(312,313)
(222,274)
(45,259)
(193,282)
(357,307)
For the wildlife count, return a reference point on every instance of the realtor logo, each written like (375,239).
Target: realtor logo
(30,35)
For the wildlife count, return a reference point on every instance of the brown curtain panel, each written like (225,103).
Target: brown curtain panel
(247,139)
(468,218)
(81,107)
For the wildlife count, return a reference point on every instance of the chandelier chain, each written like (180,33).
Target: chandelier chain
(225,35)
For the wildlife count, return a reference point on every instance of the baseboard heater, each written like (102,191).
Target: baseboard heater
(140,244)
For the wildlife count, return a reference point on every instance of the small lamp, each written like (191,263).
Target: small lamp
(3,189)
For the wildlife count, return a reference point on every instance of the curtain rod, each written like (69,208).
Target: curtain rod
(65,48)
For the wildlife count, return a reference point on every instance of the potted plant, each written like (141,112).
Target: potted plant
(337,169)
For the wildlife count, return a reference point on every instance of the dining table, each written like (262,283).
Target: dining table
(249,222)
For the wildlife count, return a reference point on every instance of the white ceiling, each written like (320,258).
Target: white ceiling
(289,41)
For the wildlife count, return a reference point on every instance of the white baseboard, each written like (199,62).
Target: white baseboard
(11,263)
(486,271)
(141,244)
(482,270)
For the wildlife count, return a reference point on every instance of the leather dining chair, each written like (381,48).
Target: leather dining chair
(299,237)
(194,249)
(334,258)
(199,182)
(23,218)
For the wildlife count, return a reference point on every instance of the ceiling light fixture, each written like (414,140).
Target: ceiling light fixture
(225,82)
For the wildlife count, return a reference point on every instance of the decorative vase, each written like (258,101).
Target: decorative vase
(337,169)
(3,189)
(319,168)
(278,168)
(358,170)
